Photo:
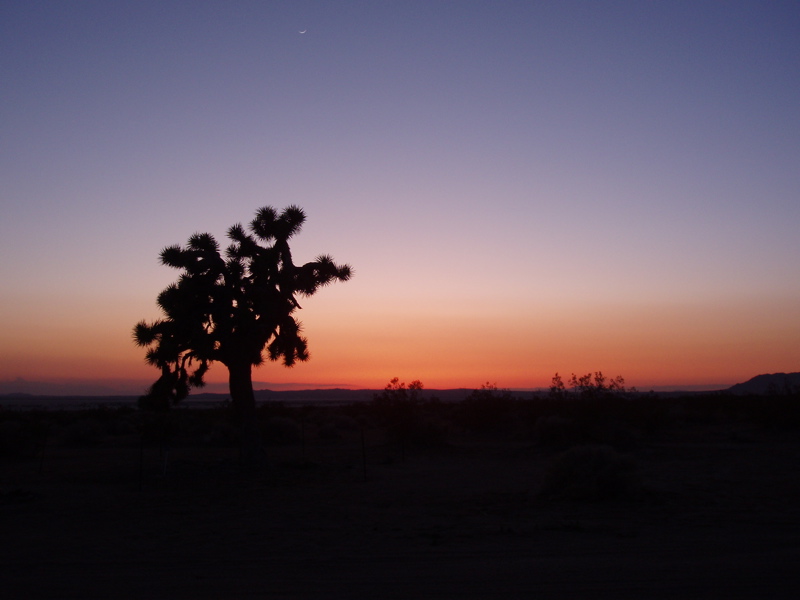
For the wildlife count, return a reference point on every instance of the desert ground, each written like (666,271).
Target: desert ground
(516,501)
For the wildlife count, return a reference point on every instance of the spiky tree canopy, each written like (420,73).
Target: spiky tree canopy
(236,308)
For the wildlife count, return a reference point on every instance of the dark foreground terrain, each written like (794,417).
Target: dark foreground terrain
(494,498)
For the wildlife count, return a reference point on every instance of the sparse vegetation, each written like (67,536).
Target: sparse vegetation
(407,416)
(591,386)
(546,474)
(487,409)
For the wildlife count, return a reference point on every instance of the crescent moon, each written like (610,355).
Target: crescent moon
(304,30)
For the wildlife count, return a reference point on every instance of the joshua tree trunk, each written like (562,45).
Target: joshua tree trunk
(240,383)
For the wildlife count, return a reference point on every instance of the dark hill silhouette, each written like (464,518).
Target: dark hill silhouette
(772,383)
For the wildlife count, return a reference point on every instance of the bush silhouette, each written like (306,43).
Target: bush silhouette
(486,409)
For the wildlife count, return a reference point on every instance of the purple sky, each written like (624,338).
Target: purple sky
(522,187)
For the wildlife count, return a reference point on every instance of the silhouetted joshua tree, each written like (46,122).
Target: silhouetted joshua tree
(232,309)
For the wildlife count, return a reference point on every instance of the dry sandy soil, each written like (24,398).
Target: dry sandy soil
(719,517)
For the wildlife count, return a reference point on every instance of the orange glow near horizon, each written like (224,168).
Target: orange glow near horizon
(663,346)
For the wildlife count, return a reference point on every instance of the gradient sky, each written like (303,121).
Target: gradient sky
(521,187)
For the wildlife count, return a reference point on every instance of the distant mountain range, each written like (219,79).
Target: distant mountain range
(774,383)
(308,397)
(125,387)
(28,393)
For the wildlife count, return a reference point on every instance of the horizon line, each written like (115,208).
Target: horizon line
(127,388)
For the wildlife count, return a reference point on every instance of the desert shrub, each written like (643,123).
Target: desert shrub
(486,409)
(396,392)
(399,408)
(397,404)
(592,473)
(594,386)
